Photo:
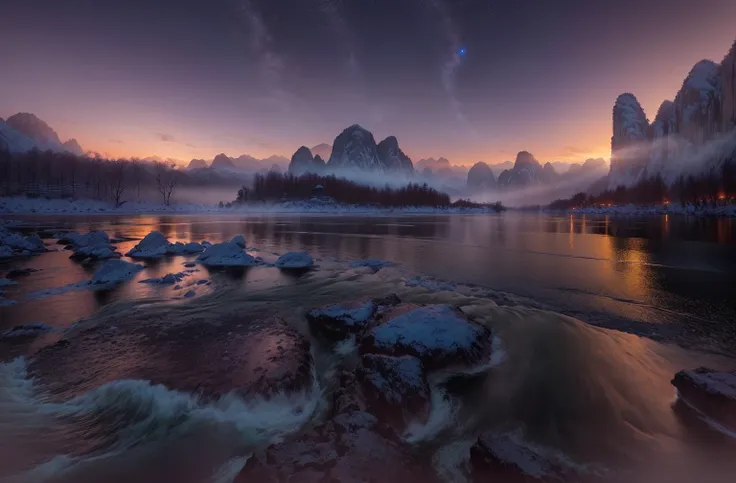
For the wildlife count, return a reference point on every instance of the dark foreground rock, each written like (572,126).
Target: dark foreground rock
(709,392)
(438,335)
(339,321)
(395,388)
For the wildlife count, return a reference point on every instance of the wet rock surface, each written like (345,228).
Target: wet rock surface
(253,356)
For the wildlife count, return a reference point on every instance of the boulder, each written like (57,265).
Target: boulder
(153,245)
(711,393)
(94,245)
(340,321)
(295,260)
(115,271)
(226,254)
(395,389)
(180,248)
(438,335)
(239,240)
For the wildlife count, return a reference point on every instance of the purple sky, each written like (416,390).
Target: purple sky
(190,79)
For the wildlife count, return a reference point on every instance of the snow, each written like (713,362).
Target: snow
(669,209)
(25,330)
(371,263)
(115,271)
(153,245)
(719,383)
(168,279)
(431,328)
(22,205)
(18,243)
(5,251)
(431,284)
(348,314)
(295,260)
(239,240)
(226,254)
(180,248)
(394,377)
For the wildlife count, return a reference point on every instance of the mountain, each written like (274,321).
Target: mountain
(692,134)
(590,166)
(197,164)
(392,157)
(23,132)
(481,177)
(222,161)
(355,148)
(72,146)
(303,162)
(629,143)
(323,150)
(527,171)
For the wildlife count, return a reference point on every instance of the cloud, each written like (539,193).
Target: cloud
(167,138)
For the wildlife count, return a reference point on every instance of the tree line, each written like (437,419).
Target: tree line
(64,175)
(274,186)
(710,189)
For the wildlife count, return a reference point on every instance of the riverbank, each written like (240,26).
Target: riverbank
(639,210)
(24,206)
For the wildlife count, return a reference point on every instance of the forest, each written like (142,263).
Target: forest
(704,190)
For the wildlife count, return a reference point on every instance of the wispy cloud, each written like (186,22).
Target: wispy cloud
(167,138)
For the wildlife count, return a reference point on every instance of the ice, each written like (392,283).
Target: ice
(153,245)
(226,254)
(239,240)
(295,260)
(115,271)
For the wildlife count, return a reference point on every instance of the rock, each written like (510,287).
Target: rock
(239,240)
(153,245)
(340,321)
(115,271)
(698,103)
(226,254)
(392,157)
(295,260)
(355,148)
(480,177)
(94,245)
(17,242)
(303,162)
(728,87)
(190,294)
(498,457)
(438,335)
(349,448)
(395,388)
(711,393)
(180,248)
(168,279)
(629,143)
(663,146)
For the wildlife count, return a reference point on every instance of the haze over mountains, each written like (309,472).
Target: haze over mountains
(692,134)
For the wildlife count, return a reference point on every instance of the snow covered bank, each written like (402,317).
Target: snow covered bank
(21,205)
(669,209)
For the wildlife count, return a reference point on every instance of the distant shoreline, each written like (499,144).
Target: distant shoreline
(43,206)
(725,211)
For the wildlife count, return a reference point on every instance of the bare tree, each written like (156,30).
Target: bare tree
(117,181)
(166,179)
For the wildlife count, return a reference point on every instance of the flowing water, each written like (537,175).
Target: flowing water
(591,317)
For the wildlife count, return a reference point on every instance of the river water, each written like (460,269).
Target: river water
(123,401)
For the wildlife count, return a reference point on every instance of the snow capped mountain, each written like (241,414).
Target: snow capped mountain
(697,104)
(355,147)
(392,157)
(24,132)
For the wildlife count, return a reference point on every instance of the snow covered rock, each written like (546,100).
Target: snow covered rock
(239,240)
(295,260)
(153,245)
(711,393)
(168,279)
(438,335)
(19,243)
(372,263)
(95,245)
(630,141)
(503,457)
(30,329)
(395,388)
(392,157)
(115,271)
(339,321)
(226,254)
(355,148)
(5,251)
(698,102)
(180,248)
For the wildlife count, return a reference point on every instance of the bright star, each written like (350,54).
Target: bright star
(461,52)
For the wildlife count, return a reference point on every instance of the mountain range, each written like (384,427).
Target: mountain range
(24,132)
(693,133)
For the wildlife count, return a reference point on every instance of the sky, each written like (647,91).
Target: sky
(468,80)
